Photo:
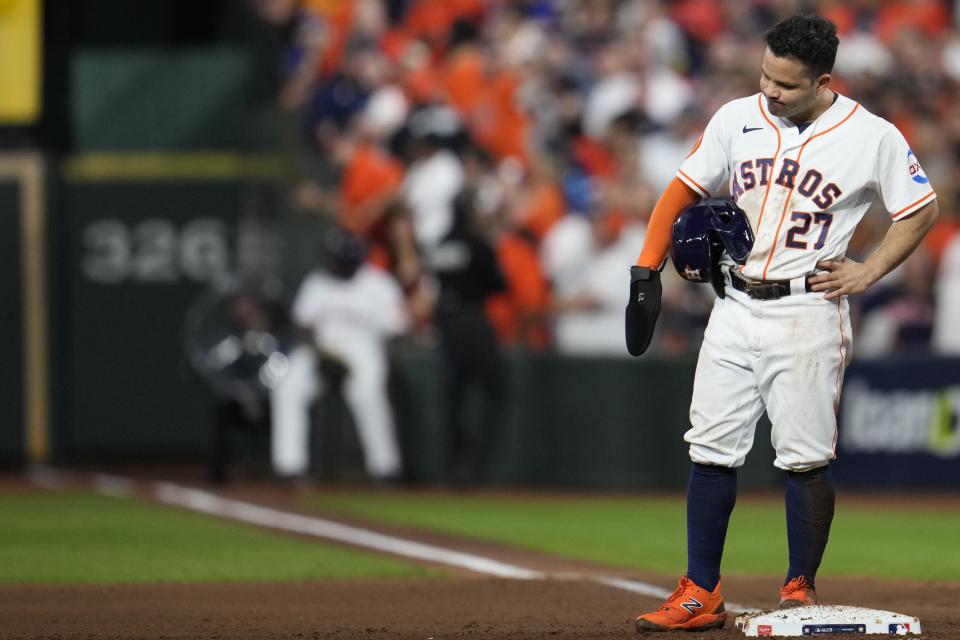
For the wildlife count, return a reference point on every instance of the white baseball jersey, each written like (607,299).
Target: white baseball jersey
(804,192)
(351,318)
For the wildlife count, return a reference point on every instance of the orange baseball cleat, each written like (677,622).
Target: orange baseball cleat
(689,608)
(797,593)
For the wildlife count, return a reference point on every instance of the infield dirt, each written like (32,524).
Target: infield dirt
(462,607)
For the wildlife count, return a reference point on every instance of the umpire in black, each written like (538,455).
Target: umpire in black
(467,272)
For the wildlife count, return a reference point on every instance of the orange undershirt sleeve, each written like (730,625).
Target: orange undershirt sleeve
(676,197)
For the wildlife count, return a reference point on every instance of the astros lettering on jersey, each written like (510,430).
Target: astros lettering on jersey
(803,191)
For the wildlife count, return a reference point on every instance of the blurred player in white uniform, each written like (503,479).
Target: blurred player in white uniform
(805,164)
(349,309)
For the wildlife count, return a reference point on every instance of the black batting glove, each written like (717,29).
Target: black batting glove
(643,308)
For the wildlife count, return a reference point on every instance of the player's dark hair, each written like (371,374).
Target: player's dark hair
(810,39)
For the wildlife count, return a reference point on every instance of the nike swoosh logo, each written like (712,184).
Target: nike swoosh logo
(748,130)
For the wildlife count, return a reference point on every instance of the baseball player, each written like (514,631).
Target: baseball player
(349,309)
(805,164)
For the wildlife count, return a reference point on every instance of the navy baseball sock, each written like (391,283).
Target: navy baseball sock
(809,499)
(711,494)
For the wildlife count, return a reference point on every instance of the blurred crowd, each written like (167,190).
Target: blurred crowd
(550,127)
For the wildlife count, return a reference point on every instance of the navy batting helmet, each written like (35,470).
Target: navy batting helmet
(702,232)
(344,252)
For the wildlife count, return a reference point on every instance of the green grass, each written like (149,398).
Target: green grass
(82,538)
(650,534)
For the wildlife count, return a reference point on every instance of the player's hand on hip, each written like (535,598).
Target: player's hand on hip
(844,277)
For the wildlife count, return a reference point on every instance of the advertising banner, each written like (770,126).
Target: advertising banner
(898,424)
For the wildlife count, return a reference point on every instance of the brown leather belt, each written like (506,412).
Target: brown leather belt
(763,289)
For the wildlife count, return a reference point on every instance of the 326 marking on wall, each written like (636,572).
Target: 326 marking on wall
(154,250)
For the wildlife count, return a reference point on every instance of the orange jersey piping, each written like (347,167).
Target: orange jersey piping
(912,204)
(694,183)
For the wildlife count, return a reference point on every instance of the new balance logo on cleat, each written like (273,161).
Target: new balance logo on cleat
(689,608)
(692,604)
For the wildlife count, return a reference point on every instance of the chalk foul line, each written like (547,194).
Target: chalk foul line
(209,503)
(212,504)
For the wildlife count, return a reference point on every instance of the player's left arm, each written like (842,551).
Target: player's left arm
(847,277)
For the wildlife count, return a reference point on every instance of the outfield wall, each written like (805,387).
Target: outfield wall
(140,237)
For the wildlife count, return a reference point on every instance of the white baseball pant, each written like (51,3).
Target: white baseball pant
(365,391)
(786,356)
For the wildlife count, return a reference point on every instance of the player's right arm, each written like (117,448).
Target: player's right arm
(643,307)
(701,173)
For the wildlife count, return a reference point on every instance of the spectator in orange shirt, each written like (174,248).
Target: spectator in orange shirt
(338,17)
(500,125)
(521,315)
(364,202)
(465,69)
(368,184)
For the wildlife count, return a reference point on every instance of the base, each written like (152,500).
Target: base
(823,620)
